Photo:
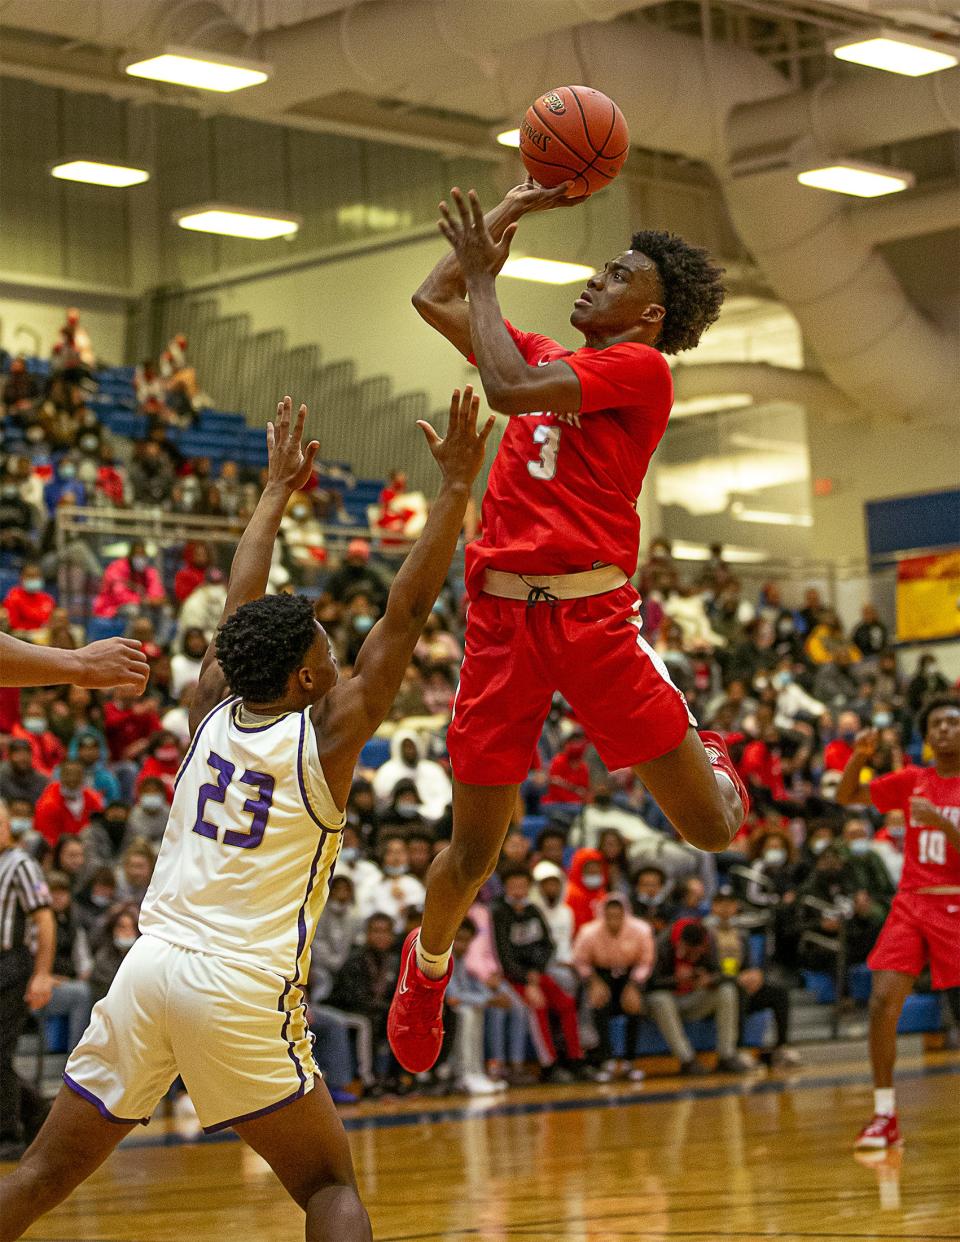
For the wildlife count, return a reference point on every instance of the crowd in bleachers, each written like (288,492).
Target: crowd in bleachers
(641,942)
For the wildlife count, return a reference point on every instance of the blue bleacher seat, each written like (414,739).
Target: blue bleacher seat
(376,753)
(532,826)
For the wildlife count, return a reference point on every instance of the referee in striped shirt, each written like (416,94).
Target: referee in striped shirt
(27,943)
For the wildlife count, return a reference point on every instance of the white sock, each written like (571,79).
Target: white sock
(434,966)
(883,1102)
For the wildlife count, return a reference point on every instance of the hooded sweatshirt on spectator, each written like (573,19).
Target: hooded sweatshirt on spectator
(60,813)
(585,902)
(522,939)
(569,778)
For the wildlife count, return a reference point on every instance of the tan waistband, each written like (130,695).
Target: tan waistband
(536,587)
(939,890)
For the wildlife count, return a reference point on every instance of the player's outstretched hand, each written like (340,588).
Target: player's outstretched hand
(113,662)
(865,743)
(289,466)
(460,453)
(531,196)
(467,232)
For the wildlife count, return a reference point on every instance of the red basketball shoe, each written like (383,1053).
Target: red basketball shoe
(881,1133)
(719,757)
(415,1021)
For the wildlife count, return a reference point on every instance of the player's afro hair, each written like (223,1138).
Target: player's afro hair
(692,288)
(263,643)
(934,705)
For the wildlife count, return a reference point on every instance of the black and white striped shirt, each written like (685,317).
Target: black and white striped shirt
(22,891)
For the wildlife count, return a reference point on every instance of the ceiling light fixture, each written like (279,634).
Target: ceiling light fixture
(546,271)
(93,172)
(184,66)
(858,178)
(897,52)
(237,221)
(769,517)
(509,138)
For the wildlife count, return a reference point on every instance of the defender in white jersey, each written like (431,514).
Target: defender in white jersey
(213,989)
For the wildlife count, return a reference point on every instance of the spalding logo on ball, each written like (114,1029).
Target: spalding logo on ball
(575,134)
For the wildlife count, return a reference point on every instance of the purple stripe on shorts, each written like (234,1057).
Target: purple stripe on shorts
(101,1108)
(291,1049)
(196,738)
(261,1112)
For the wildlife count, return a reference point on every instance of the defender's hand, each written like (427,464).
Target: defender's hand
(865,743)
(113,662)
(289,466)
(467,233)
(923,812)
(460,454)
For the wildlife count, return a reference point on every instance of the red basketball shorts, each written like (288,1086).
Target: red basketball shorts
(590,651)
(921,928)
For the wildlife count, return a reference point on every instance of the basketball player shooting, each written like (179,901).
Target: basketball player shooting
(551,605)
(213,990)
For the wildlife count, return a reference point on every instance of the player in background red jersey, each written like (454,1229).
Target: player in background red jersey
(551,605)
(923,925)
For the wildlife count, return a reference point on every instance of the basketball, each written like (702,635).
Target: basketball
(574,133)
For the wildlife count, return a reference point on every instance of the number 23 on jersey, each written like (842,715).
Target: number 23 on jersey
(258,808)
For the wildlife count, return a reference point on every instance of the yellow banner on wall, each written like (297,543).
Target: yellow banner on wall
(928,597)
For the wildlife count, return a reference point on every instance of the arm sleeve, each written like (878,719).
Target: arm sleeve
(891,792)
(623,376)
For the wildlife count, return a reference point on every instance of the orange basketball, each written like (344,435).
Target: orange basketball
(574,134)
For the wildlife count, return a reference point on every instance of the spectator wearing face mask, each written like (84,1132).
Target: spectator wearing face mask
(94,902)
(888,844)
(651,896)
(89,749)
(406,762)
(793,702)
(872,874)
(19,778)
(28,605)
(185,665)
(66,805)
(614,955)
(135,872)
(128,582)
(162,762)
(569,777)
(586,886)
(105,835)
(203,607)
(397,890)
(820,836)
(63,484)
(357,574)
(33,727)
(303,536)
(193,571)
(148,818)
(129,723)
(22,830)
(364,873)
(340,927)
(72,963)
(120,935)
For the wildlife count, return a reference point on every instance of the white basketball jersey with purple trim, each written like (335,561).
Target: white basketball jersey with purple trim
(251,842)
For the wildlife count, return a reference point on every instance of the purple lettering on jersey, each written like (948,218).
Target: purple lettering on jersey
(259,808)
(213,793)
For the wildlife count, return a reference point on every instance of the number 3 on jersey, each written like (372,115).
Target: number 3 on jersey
(549,438)
(257,808)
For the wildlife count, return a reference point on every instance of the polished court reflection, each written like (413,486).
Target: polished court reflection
(771,1160)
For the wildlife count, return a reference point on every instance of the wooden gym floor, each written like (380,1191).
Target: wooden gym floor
(766,1157)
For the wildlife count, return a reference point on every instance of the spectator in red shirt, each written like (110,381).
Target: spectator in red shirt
(129,582)
(196,562)
(34,727)
(129,724)
(28,605)
(587,887)
(569,778)
(65,806)
(163,761)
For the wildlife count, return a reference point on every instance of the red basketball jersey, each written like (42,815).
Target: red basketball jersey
(929,860)
(562,494)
